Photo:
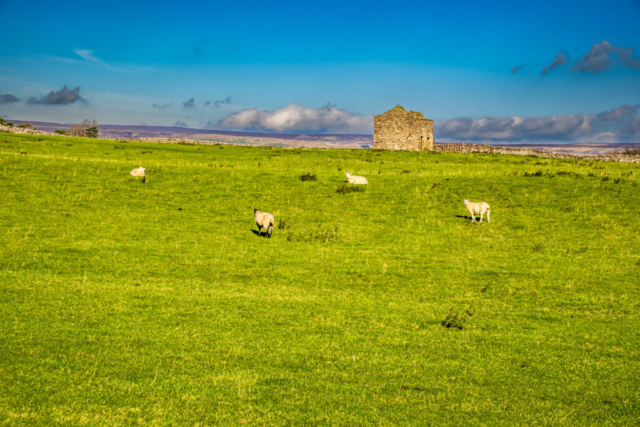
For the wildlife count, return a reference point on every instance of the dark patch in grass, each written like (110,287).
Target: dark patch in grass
(331,234)
(405,387)
(179,209)
(549,174)
(539,247)
(144,179)
(346,189)
(435,185)
(284,224)
(118,148)
(23,152)
(308,177)
(455,320)
(146,152)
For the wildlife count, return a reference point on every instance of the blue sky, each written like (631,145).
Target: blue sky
(326,66)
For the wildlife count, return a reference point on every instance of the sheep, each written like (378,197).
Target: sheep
(479,208)
(264,220)
(138,172)
(354,179)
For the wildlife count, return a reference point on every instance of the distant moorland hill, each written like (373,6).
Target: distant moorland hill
(302,139)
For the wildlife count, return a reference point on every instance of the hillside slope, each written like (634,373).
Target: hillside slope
(125,301)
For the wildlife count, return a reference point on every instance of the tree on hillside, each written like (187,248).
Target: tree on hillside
(77,130)
(27,126)
(91,128)
(87,129)
(3,122)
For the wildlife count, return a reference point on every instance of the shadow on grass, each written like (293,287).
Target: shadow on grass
(468,218)
(264,234)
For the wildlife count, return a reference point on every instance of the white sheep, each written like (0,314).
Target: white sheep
(264,220)
(479,208)
(138,172)
(354,179)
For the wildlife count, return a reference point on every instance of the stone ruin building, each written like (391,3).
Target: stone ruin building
(399,129)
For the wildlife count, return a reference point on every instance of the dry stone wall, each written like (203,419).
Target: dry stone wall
(399,129)
(16,129)
(478,148)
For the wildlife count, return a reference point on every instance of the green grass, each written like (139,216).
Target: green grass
(125,303)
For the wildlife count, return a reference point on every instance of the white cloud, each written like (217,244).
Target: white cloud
(296,118)
(621,124)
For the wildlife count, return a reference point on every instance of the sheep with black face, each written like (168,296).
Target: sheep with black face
(265,220)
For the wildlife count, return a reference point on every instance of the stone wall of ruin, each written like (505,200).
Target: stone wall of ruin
(398,129)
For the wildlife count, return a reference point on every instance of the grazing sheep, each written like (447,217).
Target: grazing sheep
(354,179)
(479,208)
(138,172)
(264,220)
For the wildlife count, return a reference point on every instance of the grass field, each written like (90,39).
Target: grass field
(125,302)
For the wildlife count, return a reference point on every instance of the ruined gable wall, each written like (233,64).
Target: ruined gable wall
(398,129)
(430,141)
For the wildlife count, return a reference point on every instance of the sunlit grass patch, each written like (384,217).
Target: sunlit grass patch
(123,302)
